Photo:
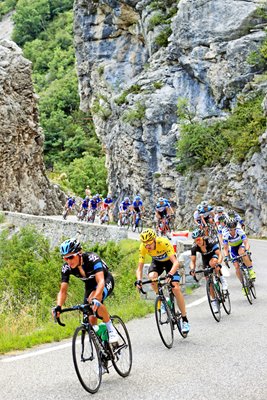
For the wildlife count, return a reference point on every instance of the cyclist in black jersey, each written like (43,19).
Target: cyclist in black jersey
(99,282)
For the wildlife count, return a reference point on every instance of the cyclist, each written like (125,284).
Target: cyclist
(99,200)
(69,206)
(93,207)
(238,242)
(106,205)
(236,217)
(220,212)
(99,282)
(163,259)
(222,226)
(196,215)
(124,207)
(84,207)
(206,215)
(137,207)
(162,210)
(211,257)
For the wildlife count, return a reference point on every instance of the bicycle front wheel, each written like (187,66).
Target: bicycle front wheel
(226,302)
(122,351)
(140,226)
(86,359)
(253,289)
(214,304)
(246,287)
(164,321)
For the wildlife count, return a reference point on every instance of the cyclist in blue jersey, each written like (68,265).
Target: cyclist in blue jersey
(124,207)
(196,215)
(137,207)
(235,244)
(98,280)
(99,200)
(84,207)
(162,210)
(69,206)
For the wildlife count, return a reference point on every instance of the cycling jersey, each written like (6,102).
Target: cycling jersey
(85,204)
(93,204)
(124,206)
(206,213)
(162,207)
(137,205)
(71,202)
(197,217)
(164,249)
(238,219)
(216,217)
(235,240)
(108,200)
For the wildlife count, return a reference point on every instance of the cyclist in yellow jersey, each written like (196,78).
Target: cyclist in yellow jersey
(163,259)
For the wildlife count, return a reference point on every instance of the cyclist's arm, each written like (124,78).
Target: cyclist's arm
(226,249)
(139,271)
(192,265)
(175,264)
(246,244)
(62,295)
(219,254)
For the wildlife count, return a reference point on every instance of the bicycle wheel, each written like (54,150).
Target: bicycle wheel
(122,351)
(246,286)
(253,289)
(86,359)
(216,315)
(164,321)
(132,224)
(140,226)
(226,302)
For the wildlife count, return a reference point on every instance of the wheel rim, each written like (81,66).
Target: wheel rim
(164,323)
(122,350)
(86,360)
(216,316)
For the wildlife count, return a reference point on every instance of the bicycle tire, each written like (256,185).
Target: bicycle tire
(140,226)
(246,287)
(253,289)
(216,316)
(86,359)
(164,322)
(226,302)
(122,351)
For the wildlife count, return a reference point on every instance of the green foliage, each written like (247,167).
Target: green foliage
(136,114)
(206,144)
(155,20)
(2,218)
(157,85)
(135,89)
(162,39)
(6,6)
(33,16)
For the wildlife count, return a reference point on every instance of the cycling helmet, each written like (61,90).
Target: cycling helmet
(220,209)
(197,233)
(161,200)
(109,196)
(94,197)
(137,198)
(199,207)
(147,235)
(222,218)
(204,203)
(126,199)
(86,197)
(70,246)
(231,212)
(231,224)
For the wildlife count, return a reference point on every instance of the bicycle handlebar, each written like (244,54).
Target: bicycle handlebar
(79,307)
(158,280)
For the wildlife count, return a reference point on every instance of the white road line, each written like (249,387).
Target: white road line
(35,353)
(197,302)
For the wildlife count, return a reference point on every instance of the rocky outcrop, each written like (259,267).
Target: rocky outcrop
(24,185)
(132,85)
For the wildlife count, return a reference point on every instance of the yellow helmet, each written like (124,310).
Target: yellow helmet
(147,235)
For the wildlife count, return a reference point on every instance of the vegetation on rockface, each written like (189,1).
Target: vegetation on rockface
(29,282)
(207,143)
(45,31)
(6,6)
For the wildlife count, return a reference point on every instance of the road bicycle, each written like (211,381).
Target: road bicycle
(168,316)
(125,220)
(93,355)
(215,293)
(138,225)
(247,282)
(90,217)
(105,217)
(164,228)
(82,214)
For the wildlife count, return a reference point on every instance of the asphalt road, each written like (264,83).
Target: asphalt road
(216,361)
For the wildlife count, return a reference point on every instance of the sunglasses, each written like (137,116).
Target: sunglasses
(70,257)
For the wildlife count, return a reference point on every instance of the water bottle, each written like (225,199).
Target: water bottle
(169,302)
(102,332)
(216,284)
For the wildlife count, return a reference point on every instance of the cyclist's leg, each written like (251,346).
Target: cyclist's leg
(153,272)
(214,264)
(233,254)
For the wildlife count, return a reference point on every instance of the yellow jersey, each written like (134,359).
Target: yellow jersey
(164,249)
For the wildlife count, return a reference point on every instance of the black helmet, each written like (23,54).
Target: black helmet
(231,224)
(197,233)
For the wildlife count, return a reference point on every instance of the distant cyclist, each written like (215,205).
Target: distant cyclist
(163,259)
(236,217)
(235,244)
(69,206)
(124,207)
(207,215)
(106,205)
(137,207)
(99,282)
(162,210)
(196,215)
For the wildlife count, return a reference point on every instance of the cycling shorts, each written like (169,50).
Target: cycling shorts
(161,266)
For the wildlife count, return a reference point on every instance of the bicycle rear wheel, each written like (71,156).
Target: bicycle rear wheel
(178,318)
(164,321)
(216,301)
(226,302)
(86,359)
(246,287)
(140,226)
(122,351)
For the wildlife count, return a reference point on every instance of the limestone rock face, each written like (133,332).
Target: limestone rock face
(132,85)
(24,185)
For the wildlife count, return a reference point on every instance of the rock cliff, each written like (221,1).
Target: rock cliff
(132,83)
(24,185)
